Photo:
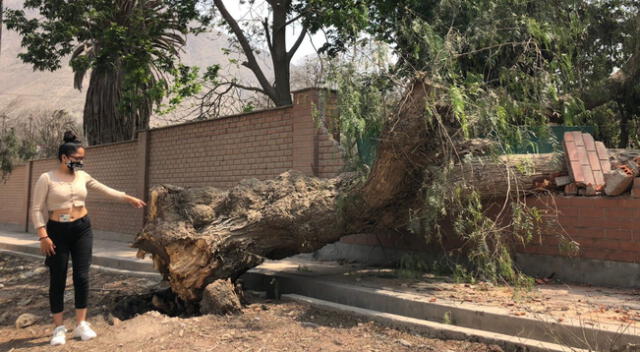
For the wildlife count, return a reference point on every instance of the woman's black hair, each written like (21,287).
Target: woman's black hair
(70,145)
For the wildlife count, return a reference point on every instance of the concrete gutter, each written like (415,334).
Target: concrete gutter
(437,330)
(468,316)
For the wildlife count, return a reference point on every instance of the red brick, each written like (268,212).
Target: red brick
(571,189)
(627,224)
(619,212)
(589,178)
(628,202)
(591,212)
(586,232)
(624,235)
(603,155)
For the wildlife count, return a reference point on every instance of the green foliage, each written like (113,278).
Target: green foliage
(135,42)
(9,152)
(447,318)
(366,96)
(186,84)
(512,60)
(415,266)
(486,239)
(505,67)
(28,149)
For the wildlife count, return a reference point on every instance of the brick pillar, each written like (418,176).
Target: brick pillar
(311,106)
(142,172)
(27,194)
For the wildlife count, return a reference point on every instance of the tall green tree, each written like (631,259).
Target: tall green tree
(130,47)
(267,32)
(503,70)
(9,152)
(544,60)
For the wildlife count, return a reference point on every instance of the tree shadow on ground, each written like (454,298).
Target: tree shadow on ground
(22,344)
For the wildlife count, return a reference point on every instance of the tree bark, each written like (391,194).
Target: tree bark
(103,120)
(279,57)
(200,235)
(520,173)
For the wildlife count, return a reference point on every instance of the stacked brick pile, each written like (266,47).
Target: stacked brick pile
(593,172)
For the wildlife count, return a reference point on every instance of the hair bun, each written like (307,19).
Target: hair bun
(70,137)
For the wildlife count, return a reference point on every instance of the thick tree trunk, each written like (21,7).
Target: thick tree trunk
(104,120)
(510,173)
(279,56)
(199,235)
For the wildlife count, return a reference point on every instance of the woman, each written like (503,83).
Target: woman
(67,231)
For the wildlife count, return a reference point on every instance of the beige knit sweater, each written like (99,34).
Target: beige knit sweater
(51,193)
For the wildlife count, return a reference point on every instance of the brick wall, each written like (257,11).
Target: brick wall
(316,144)
(222,152)
(217,153)
(605,228)
(13,206)
(114,165)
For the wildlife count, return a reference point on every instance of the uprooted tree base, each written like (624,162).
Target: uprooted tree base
(197,236)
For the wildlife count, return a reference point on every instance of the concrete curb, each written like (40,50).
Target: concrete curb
(437,330)
(97,267)
(467,316)
(104,258)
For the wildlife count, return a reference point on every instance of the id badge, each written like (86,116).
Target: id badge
(65,217)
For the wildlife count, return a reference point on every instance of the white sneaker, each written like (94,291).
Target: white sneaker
(59,337)
(84,331)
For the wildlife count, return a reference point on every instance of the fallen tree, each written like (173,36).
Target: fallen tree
(197,236)
(200,235)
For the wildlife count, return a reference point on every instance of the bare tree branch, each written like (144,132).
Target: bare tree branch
(293,19)
(265,24)
(251,63)
(296,45)
(254,89)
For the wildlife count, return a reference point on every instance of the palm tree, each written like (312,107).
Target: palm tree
(138,43)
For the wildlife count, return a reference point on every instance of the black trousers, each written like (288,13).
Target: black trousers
(73,238)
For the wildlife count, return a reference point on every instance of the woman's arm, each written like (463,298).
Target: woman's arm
(38,204)
(94,184)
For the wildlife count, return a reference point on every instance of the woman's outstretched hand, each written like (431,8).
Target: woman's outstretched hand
(135,202)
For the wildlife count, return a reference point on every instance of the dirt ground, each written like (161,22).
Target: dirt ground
(263,326)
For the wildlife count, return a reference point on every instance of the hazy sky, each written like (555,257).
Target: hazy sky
(260,9)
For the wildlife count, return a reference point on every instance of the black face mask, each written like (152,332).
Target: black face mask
(75,165)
